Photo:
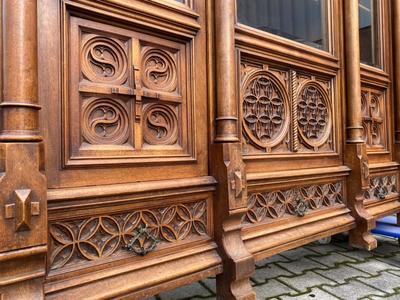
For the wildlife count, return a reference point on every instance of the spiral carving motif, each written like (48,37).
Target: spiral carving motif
(314,114)
(265,109)
(104,60)
(105,121)
(159,70)
(161,125)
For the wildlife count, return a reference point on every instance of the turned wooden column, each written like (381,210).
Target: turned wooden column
(23,219)
(355,151)
(396,68)
(227,107)
(352,72)
(19,106)
(227,163)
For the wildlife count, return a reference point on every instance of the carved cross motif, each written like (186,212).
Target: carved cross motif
(373,109)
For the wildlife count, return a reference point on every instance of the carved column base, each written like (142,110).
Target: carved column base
(357,183)
(230,207)
(23,221)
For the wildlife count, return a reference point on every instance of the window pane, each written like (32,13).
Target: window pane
(369,32)
(303,21)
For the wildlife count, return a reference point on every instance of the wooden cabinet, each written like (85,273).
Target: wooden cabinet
(147,144)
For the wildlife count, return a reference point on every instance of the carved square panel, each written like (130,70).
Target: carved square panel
(286,110)
(374,111)
(127,97)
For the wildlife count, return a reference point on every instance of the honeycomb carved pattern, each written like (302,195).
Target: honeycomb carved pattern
(99,237)
(314,115)
(277,204)
(265,109)
(161,125)
(381,187)
(373,111)
(105,121)
(159,69)
(104,59)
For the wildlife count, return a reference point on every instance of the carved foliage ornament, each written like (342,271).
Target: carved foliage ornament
(95,238)
(159,70)
(277,204)
(105,121)
(265,109)
(104,60)
(314,116)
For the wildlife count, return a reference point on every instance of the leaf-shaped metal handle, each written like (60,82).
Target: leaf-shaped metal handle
(301,207)
(142,242)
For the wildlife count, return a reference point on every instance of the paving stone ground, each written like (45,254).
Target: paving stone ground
(322,272)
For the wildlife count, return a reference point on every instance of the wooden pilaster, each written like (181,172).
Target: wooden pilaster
(355,149)
(23,211)
(227,164)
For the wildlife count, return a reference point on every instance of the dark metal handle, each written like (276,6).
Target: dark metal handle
(301,207)
(142,242)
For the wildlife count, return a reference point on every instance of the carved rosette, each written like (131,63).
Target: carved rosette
(265,109)
(381,187)
(159,69)
(314,115)
(264,206)
(104,59)
(161,125)
(95,238)
(105,121)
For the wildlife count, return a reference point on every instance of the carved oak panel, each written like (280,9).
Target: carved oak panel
(270,205)
(286,111)
(374,111)
(381,187)
(99,237)
(127,96)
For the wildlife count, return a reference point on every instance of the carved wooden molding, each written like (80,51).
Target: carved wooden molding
(264,206)
(381,187)
(95,238)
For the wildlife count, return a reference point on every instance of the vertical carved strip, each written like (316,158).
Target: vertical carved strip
(295,132)
(138,92)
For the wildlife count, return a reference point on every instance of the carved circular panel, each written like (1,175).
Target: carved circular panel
(104,60)
(314,114)
(160,125)
(105,121)
(265,109)
(159,70)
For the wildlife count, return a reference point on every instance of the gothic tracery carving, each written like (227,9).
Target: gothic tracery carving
(265,109)
(98,237)
(380,187)
(277,204)
(105,121)
(161,125)
(159,69)
(314,116)
(104,59)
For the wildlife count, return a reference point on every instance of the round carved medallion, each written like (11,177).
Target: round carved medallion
(104,60)
(105,121)
(159,70)
(265,109)
(160,125)
(314,114)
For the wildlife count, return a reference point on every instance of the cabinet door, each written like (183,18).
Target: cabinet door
(124,87)
(291,110)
